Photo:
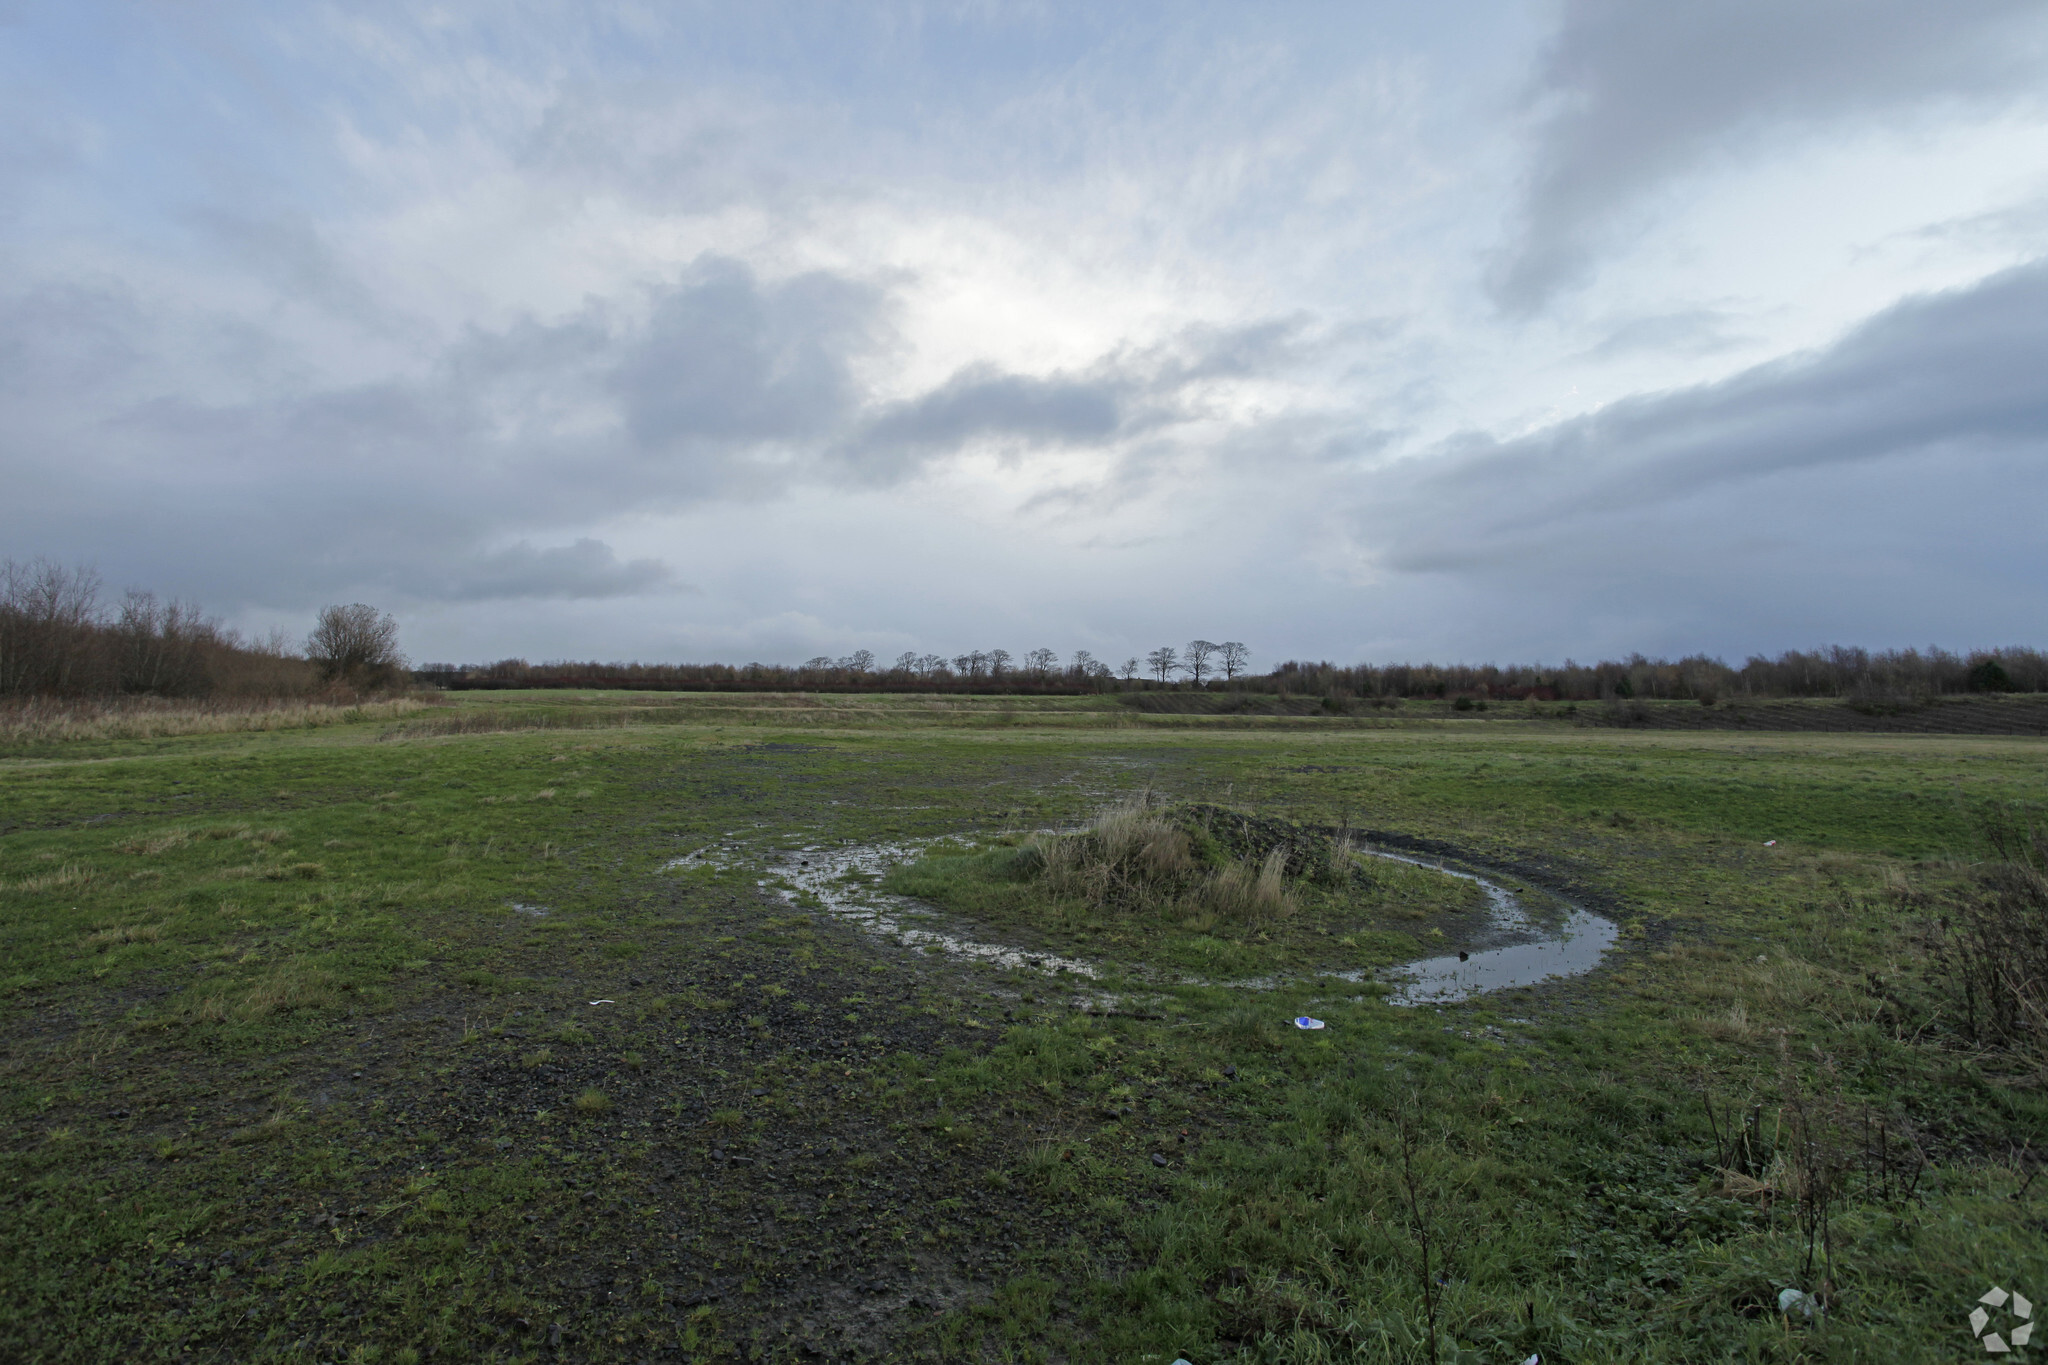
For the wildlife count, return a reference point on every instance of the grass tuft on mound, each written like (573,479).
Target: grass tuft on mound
(1199,888)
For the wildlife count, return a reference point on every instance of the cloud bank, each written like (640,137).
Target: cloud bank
(1350,332)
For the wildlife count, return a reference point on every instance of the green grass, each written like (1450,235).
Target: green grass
(301,1059)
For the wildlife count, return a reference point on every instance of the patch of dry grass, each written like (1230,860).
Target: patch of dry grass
(47,721)
(69,877)
(1133,858)
(287,987)
(119,934)
(149,845)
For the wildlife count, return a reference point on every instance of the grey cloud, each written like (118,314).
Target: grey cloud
(1945,381)
(1637,93)
(983,401)
(586,569)
(727,357)
(287,251)
(1125,394)
(728,385)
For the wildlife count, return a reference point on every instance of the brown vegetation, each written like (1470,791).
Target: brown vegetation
(58,640)
(1134,858)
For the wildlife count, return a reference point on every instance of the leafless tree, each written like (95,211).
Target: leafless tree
(47,614)
(1129,669)
(998,661)
(1232,656)
(1084,664)
(1195,658)
(860,661)
(1041,661)
(929,664)
(906,662)
(1163,662)
(161,647)
(355,644)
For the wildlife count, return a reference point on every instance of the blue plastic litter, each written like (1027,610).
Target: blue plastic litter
(1303,1021)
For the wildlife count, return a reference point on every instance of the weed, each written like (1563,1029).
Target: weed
(592,1101)
(1988,942)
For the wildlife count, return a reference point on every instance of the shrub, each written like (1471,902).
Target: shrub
(1137,860)
(1988,675)
(1990,949)
(356,645)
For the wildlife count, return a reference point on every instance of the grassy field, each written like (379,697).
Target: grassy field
(402,1036)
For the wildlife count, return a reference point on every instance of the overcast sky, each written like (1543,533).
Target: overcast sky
(1357,331)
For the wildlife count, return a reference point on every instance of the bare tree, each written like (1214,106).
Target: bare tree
(1195,658)
(1232,656)
(818,663)
(1130,668)
(1163,662)
(860,661)
(929,664)
(906,662)
(161,646)
(47,615)
(1084,664)
(998,660)
(1041,661)
(357,645)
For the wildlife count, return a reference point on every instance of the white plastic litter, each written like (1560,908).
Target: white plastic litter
(1303,1021)
(604,1002)
(1770,843)
(1792,1301)
(1535,1358)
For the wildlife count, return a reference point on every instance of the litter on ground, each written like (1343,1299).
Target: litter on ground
(1797,1300)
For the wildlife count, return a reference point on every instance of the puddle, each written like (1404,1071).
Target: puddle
(1530,948)
(1572,946)
(832,876)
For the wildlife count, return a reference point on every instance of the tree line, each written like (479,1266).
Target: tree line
(60,636)
(1835,671)
(1199,663)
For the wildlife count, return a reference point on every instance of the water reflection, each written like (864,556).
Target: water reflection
(1530,948)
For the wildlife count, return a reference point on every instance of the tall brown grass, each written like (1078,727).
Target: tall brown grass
(53,720)
(1134,858)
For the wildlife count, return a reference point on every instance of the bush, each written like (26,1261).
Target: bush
(356,646)
(1134,859)
(1989,945)
(1989,675)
